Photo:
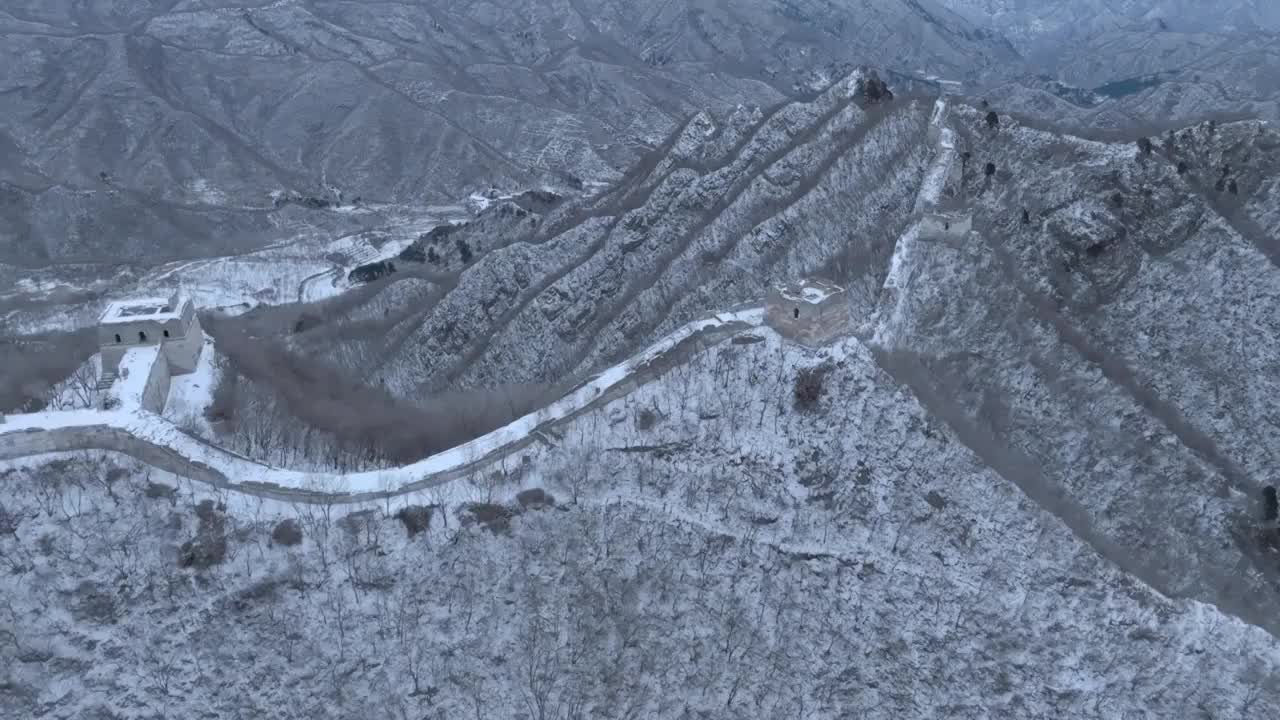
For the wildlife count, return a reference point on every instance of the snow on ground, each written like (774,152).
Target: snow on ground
(206,192)
(310,267)
(939,113)
(135,368)
(945,154)
(159,431)
(311,263)
(896,281)
(239,282)
(356,251)
(811,292)
(191,393)
(891,576)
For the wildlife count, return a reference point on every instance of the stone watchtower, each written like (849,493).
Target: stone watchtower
(170,324)
(810,312)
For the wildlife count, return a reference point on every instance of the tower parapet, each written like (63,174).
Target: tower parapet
(811,312)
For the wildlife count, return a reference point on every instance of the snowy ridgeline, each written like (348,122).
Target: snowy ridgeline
(702,546)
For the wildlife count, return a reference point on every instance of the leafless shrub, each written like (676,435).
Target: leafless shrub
(221,409)
(535,498)
(209,546)
(208,512)
(202,552)
(360,521)
(416,518)
(646,419)
(258,592)
(8,522)
(935,500)
(287,532)
(809,388)
(156,491)
(78,390)
(95,603)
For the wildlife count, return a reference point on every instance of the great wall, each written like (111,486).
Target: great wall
(134,427)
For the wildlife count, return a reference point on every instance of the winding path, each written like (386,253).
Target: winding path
(155,441)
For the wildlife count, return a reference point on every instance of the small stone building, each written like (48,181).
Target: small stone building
(810,312)
(168,324)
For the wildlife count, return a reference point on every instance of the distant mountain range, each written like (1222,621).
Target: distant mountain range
(1042,29)
(1132,61)
(147,131)
(151,129)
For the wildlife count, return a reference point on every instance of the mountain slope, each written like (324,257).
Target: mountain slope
(1125,361)
(154,130)
(728,206)
(692,563)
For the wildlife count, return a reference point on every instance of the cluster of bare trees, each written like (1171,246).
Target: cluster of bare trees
(32,366)
(277,405)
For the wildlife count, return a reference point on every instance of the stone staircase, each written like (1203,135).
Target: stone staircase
(105,381)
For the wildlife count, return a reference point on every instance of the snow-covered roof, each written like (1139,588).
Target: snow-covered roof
(809,291)
(154,309)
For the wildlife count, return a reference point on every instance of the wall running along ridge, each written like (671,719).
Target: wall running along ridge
(155,441)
